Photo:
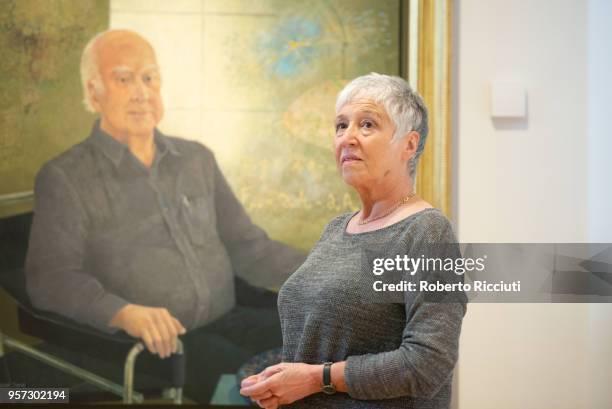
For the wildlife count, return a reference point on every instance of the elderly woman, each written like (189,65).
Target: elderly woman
(339,350)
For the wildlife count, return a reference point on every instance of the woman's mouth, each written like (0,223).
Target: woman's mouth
(347,159)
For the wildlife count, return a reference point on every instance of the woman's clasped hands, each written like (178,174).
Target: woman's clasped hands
(282,384)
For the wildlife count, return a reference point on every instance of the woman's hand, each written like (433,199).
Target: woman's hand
(283,384)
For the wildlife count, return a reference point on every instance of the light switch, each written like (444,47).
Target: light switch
(508,100)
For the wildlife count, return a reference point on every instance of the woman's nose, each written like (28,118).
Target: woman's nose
(350,136)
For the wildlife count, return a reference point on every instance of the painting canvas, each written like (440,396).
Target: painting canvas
(255,81)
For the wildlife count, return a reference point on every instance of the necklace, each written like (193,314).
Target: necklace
(388,212)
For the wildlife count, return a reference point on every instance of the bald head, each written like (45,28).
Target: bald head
(101,46)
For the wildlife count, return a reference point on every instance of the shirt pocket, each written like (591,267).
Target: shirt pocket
(198,215)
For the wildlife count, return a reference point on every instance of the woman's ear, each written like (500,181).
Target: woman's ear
(410,144)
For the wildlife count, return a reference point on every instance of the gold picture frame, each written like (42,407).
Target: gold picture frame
(427,66)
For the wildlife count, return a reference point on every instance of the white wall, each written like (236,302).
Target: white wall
(599,52)
(533,181)
(523,181)
(599,357)
(599,111)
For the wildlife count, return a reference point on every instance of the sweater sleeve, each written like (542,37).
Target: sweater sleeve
(430,340)
(55,278)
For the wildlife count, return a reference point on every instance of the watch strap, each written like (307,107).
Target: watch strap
(328,386)
(327,373)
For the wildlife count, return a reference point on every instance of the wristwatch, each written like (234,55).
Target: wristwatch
(327,387)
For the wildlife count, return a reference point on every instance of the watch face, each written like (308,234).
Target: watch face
(329,389)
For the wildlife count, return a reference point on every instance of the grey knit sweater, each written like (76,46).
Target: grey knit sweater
(399,355)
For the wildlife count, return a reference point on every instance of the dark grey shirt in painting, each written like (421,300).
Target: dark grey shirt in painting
(398,355)
(108,231)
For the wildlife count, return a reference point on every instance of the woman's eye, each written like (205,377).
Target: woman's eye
(367,124)
(340,126)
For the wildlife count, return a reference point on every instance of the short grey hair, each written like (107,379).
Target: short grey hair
(90,71)
(404,106)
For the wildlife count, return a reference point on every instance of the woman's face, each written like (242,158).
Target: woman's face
(366,154)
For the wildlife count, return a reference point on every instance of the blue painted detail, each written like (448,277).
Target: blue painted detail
(292,46)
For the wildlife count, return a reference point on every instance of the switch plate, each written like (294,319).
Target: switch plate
(508,100)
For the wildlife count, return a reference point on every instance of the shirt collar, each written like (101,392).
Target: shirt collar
(165,144)
(115,150)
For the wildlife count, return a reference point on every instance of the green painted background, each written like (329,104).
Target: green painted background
(41,113)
